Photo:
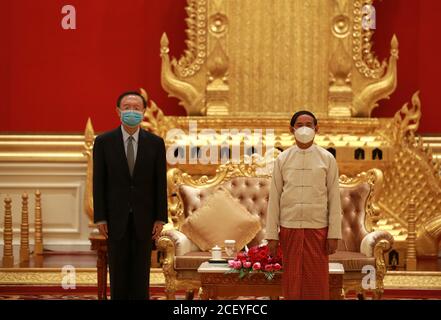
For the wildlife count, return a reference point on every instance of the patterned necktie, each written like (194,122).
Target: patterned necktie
(130,155)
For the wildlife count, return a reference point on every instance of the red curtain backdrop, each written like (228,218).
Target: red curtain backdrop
(52,80)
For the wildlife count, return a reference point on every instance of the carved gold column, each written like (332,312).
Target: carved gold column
(8,253)
(24,229)
(411,238)
(89,138)
(38,249)
(340,94)
(217,63)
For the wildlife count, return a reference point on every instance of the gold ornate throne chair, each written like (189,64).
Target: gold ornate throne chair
(361,250)
(186,194)
(359,247)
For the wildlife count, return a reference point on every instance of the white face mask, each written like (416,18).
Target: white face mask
(304,134)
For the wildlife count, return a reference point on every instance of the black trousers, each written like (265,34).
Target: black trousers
(129,265)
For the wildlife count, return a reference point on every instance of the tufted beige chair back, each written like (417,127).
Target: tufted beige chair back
(252,192)
(353,203)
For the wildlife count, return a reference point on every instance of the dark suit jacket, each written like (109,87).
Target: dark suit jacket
(115,192)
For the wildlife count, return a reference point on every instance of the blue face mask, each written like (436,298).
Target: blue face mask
(131,118)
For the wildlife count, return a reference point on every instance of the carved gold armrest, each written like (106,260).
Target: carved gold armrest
(166,245)
(171,243)
(180,244)
(371,240)
(375,244)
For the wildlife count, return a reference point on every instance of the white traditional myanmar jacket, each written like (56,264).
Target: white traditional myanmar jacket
(304,192)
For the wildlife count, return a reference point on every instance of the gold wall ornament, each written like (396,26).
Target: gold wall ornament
(341,22)
(194,56)
(8,249)
(38,246)
(24,230)
(365,60)
(429,237)
(217,87)
(273,59)
(412,174)
(89,139)
(407,120)
(279,55)
(154,119)
(340,93)
(340,85)
(366,99)
(217,64)
(190,97)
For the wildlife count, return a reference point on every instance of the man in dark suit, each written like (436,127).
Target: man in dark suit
(129,196)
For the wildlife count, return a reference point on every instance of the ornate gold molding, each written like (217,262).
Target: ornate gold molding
(190,97)
(195,54)
(407,120)
(54,276)
(154,119)
(366,100)
(365,60)
(37,148)
(412,280)
(412,174)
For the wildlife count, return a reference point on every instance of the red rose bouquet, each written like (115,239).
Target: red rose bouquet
(256,259)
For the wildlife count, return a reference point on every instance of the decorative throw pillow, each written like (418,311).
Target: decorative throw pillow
(220,218)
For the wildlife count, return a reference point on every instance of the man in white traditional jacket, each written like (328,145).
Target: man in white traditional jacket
(304,212)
